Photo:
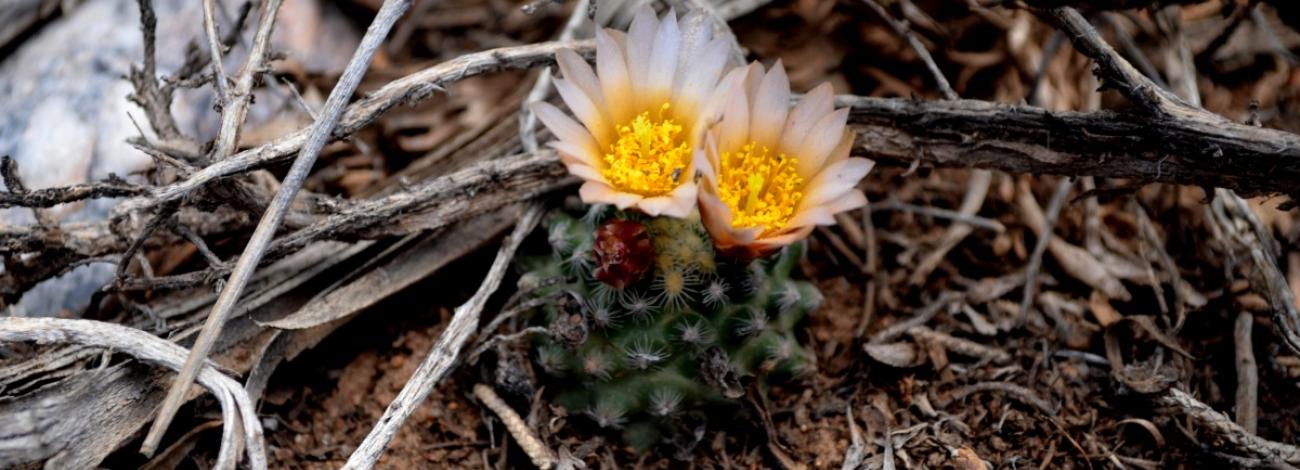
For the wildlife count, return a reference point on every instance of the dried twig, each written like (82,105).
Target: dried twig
(237,409)
(444,353)
(234,103)
(261,238)
(1040,247)
(1016,392)
(902,30)
(938,213)
(541,455)
(921,317)
(1247,375)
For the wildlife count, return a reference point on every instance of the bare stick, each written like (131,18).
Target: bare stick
(543,457)
(921,317)
(444,353)
(234,104)
(1247,375)
(215,52)
(902,30)
(976,191)
(261,239)
(237,408)
(1040,247)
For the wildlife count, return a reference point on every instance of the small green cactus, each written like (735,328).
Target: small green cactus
(666,326)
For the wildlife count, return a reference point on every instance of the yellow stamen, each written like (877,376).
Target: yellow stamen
(649,157)
(761,189)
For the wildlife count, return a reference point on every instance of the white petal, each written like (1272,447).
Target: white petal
(586,111)
(836,180)
(697,33)
(770,107)
(577,71)
(826,134)
(733,130)
(677,203)
(593,192)
(565,128)
(615,84)
(663,61)
(700,78)
(812,107)
(640,44)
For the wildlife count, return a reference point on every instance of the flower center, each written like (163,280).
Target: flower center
(650,156)
(761,188)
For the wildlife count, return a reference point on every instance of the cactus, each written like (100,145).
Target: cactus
(667,326)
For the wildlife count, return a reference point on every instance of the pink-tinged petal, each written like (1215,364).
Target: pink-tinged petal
(705,162)
(824,137)
(640,45)
(770,107)
(585,172)
(855,199)
(591,115)
(835,180)
(663,62)
(842,150)
(716,218)
(812,107)
(615,84)
(816,215)
(677,203)
(593,192)
(565,128)
(700,77)
(753,77)
(577,71)
(825,214)
(570,153)
(766,246)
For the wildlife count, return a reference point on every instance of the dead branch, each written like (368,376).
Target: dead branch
(1227,433)
(237,409)
(444,353)
(432,205)
(320,132)
(1194,149)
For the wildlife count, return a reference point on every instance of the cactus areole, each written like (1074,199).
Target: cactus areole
(669,328)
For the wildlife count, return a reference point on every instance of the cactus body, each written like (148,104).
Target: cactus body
(671,341)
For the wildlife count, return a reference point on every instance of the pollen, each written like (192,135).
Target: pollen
(762,188)
(650,156)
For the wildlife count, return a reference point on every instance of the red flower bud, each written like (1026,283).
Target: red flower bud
(623,252)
